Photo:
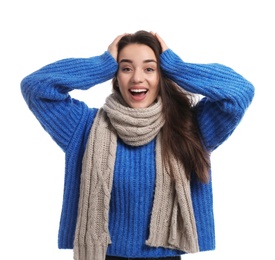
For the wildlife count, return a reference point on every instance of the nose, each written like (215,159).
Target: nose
(138,76)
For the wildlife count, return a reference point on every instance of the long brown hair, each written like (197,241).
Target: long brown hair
(180,133)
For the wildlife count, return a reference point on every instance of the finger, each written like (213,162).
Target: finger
(112,48)
(162,43)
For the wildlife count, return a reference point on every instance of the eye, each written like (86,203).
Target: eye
(125,69)
(150,69)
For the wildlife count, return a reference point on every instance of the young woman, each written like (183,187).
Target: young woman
(137,173)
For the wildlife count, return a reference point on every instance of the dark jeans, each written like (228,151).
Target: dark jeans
(121,258)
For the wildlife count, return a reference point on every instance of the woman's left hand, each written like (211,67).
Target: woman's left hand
(163,45)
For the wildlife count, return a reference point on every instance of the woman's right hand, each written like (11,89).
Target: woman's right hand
(113,46)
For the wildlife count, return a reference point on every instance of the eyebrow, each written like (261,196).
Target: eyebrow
(130,61)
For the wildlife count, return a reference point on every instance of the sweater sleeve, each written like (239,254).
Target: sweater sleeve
(46,92)
(226,95)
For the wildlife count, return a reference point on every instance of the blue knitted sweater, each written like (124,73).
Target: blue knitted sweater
(226,96)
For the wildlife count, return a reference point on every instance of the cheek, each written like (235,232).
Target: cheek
(157,85)
(155,80)
(121,80)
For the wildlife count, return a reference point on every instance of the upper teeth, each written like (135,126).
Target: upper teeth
(138,90)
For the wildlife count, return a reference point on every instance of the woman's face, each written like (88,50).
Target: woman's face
(138,77)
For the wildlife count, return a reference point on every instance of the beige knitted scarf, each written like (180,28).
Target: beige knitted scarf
(172,222)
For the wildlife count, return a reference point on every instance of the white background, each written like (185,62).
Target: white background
(239,34)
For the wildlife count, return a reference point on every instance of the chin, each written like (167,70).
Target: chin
(139,105)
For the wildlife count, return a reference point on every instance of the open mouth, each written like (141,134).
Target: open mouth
(138,92)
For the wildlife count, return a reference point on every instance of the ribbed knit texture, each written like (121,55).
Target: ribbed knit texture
(68,121)
(132,202)
(172,223)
